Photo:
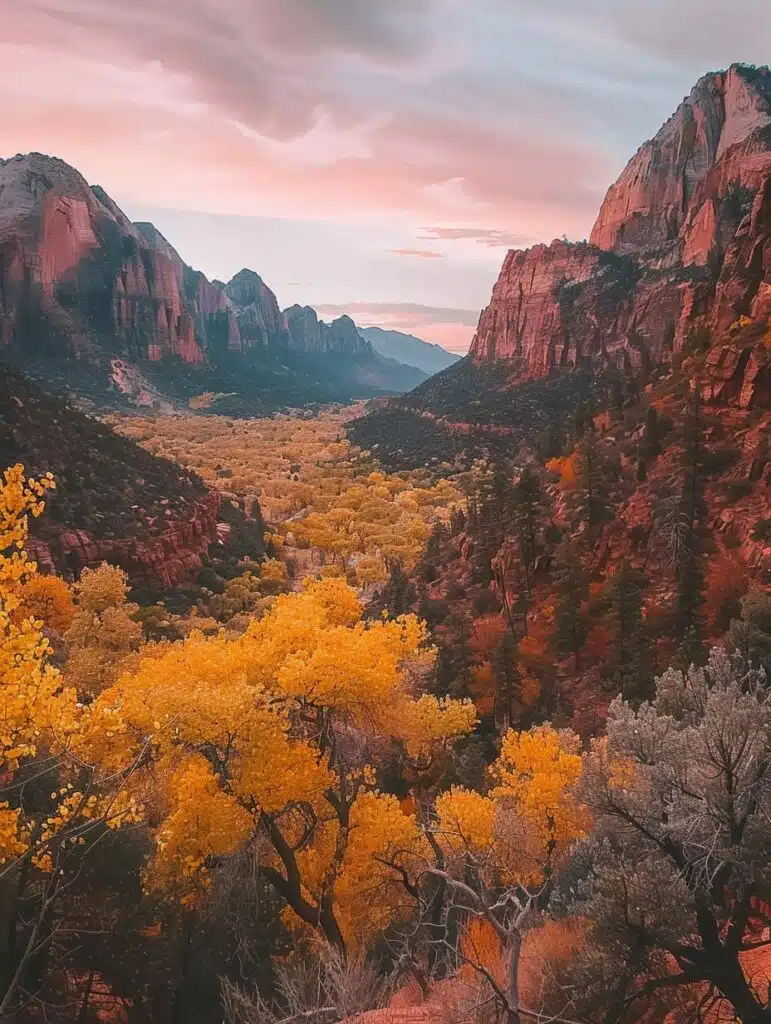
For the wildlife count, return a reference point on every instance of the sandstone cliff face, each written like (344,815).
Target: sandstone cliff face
(76,273)
(169,559)
(261,323)
(309,334)
(671,183)
(73,268)
(678,254)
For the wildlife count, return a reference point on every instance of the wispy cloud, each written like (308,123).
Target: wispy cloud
(423,254)
(490,237)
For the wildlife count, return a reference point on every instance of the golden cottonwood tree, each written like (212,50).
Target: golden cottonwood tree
(273,739)
(495,853)
(45,737)
(380,517)
(102,633)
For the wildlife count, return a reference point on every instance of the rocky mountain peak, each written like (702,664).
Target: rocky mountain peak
(725,119)
(246,287)
(674,258)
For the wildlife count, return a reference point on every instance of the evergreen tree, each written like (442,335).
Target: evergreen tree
(397,596)
(650,444)
(750,634)
(508,682)
(632,667)
(571,624)
(455,658)
(528,516)
(591,501)
(616,394)
(689,540)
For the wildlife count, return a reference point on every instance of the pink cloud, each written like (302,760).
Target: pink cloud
(245,108)
(490,237)
(423,254)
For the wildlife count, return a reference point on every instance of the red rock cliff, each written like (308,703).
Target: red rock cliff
(678,253)
(72,263)
(168,559)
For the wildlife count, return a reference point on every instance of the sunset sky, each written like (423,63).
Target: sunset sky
(369,156)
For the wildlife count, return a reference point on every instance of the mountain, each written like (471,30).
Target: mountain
(309,334)
(406,348)
(109,308)
(678,267)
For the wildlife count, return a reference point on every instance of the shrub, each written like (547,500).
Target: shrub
(762,530)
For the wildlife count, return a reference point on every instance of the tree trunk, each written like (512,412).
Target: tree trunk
(512,986)
(729,979)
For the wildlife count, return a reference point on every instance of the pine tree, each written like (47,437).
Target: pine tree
(632,668)
(689,542)
(592,501)
(650,444)
(397,596)
(570,619)
(528,515)
(508,682)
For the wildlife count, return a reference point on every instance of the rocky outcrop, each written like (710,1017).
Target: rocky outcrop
(170,558)
(260,321)
(680,254)
(110,309)
(309,334)
(717,140)
(74,272)
(113,501)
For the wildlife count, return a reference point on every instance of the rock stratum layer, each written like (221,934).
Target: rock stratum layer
(680,256)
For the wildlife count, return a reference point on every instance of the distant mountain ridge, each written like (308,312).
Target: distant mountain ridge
(407,348)
(86,294)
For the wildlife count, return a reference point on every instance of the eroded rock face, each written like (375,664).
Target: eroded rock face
(79,280)
(74,272)
(261,323)
(166,560)
(309,334)
(671,183)
(73,267)
(680,252)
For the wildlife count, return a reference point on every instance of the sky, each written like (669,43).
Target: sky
(374,157)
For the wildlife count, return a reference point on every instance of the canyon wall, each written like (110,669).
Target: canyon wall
(678,257)
(77,276)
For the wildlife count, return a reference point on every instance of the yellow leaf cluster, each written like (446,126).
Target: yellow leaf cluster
(39,713)
(530,817)
(47,599)
(311,484)
(431,722)
(102,633)
(238,728)
(535,774)
(466,820)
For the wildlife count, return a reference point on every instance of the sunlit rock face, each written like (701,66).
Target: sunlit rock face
(679,254)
